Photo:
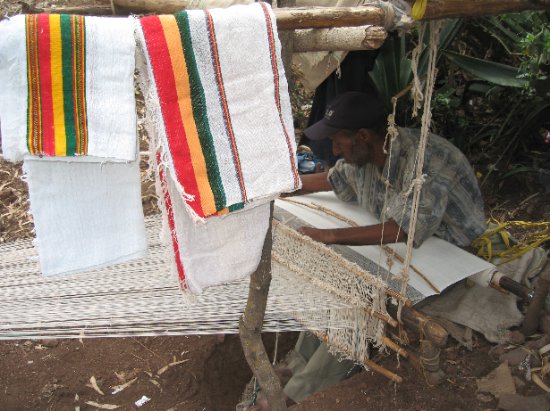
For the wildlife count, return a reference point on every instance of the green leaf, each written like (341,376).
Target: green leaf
(495,73)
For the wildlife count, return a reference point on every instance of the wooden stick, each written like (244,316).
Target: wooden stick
(340,38)
(384,317)
(416,270)
(423,324)
(383,371)
(399,350)
(368,363)
(250,328)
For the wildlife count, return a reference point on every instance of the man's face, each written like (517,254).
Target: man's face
(350,147)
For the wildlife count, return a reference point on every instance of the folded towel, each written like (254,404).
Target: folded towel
(86,214)
(223,138)
(220,100)
(222,249)
(67,87)
(68,109)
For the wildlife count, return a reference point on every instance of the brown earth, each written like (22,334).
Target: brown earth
(209,372)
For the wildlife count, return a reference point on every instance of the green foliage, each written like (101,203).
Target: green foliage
(493,72)
(526,39)
(492,93)
(392,70)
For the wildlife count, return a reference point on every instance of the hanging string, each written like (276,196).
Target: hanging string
(417,182)
(416,91)
(391,135)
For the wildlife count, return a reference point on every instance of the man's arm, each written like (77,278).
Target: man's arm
(313,183)
(389,232)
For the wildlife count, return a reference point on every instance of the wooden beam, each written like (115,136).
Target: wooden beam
(324,17)
(287,18)
(327,17)
(439,9)
(340,38)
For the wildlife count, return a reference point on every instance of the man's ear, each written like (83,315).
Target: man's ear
(365,135)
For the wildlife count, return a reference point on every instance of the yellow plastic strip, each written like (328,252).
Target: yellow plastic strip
(419,9)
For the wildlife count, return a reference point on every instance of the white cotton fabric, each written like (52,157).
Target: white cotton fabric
(13,88)
(111,107)
(87,214)
(248,79)
(220,250)
(110,102)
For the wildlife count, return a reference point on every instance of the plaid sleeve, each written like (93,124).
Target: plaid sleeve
(433,204)
(343,179)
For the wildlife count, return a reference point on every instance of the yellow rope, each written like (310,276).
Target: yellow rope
(538,234)
(419,9)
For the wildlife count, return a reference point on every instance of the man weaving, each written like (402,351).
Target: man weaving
(450,207)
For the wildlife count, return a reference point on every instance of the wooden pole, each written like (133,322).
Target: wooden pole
(440,9)
(288,18)
(326,17)
(336,39)
(250,327)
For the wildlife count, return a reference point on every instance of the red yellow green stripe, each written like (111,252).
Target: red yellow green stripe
(163,72)
(56,71)
(183,90)
(34,117)
(200,113)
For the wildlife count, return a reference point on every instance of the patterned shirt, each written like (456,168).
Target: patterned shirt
(450,206)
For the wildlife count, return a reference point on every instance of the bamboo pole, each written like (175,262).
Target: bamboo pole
(340,38)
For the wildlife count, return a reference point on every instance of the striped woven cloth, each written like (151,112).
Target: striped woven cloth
(67,87)
(218,85)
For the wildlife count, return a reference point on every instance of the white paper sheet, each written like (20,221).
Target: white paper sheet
(441,262)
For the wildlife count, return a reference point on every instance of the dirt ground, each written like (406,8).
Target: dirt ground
(209,372)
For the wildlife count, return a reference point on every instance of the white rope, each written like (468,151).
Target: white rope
(417,182)
(416,90)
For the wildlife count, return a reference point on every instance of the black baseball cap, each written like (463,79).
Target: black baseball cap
(352,110)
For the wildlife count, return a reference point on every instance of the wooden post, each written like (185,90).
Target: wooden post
(336,39)
(250,327)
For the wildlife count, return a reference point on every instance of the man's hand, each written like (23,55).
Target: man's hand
(318,234)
